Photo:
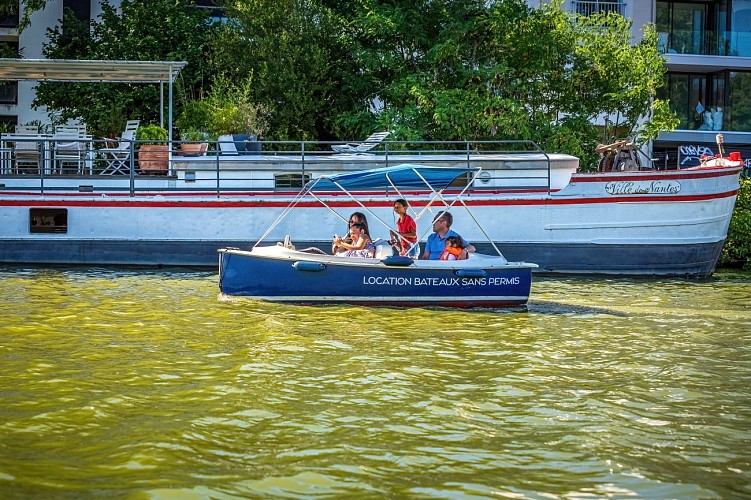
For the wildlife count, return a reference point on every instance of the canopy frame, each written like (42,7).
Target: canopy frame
(430,178)
(97,71)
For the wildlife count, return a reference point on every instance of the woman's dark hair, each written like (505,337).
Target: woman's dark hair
(362,220)
(360,226)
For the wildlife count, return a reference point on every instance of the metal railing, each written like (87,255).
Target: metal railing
(589,7)
(96,166)
(705,42)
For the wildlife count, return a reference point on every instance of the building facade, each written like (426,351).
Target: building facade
(707,48)
(16,97)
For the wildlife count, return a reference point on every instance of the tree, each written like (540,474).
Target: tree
(501,70)
(154,30)
(297,59)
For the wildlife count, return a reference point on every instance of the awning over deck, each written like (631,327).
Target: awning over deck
(75,70)
(70,70)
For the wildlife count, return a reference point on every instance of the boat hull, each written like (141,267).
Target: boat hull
(669,223)
(297,278)
(690,260)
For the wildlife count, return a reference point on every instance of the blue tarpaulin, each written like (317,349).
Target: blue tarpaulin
(402,176)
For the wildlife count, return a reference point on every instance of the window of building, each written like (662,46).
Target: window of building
(694,27)
(738,112)
(81,8)
(8,89)
(9,16)
(724,95)
(740,36)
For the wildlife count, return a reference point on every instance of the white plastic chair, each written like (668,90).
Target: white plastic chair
(27,152)
(67,150)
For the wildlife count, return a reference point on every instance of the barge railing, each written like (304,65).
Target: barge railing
(93,166)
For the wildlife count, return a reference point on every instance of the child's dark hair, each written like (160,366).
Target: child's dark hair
(455,241)
(402,202)
(360,226)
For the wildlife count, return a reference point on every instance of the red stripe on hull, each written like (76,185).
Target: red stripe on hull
(662,175)
(344,204)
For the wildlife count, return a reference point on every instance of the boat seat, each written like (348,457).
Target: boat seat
(383,251)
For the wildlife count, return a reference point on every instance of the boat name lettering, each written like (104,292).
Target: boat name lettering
(643,187)
(417,281)
(385,280)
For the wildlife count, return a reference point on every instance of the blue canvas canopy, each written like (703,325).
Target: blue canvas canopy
(402,176)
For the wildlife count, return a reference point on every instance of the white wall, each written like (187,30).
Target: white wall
(31,42)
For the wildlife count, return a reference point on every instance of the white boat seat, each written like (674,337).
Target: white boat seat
(383,251)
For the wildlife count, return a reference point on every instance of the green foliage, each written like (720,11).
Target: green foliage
(193,135)
(196,115)
(321,69)
(227,109)
(501,70)
(148,31)
(112,122)
(737,248)
(663,119)
(151,135)
(305,71)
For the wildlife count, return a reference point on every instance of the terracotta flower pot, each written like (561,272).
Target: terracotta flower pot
(153,159)
(194,149)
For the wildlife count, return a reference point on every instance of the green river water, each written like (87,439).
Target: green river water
(144,384)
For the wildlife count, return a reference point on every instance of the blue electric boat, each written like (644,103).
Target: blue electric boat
(281,273)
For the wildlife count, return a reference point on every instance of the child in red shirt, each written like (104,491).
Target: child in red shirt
(406,238)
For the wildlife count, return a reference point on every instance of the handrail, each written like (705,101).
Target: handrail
(226,173)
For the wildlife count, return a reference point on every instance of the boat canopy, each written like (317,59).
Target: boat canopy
(402,176)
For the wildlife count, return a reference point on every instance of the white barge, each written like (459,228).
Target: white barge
(534,206)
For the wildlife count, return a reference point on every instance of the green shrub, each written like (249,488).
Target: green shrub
(737,249)
(151,135)
(193,135)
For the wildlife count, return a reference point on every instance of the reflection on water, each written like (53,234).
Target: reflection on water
(145,384)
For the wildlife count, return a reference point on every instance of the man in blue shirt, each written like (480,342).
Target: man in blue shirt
(436,243)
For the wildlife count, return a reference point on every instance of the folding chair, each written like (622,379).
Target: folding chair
(118,158)
(227,145)
(132,125)
(361,147)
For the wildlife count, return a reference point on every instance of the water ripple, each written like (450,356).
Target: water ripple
(140,383)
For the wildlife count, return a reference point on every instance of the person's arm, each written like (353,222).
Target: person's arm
(357,245)
(468,249)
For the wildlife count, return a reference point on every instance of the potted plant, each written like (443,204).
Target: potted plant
(243,121)
(197,144)
(153,150)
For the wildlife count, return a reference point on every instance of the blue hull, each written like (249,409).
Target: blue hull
(372,282)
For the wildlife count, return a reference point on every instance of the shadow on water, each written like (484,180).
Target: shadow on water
(536,307)
(547,307)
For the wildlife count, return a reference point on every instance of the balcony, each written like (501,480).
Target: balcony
(589,7)
(706,43)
